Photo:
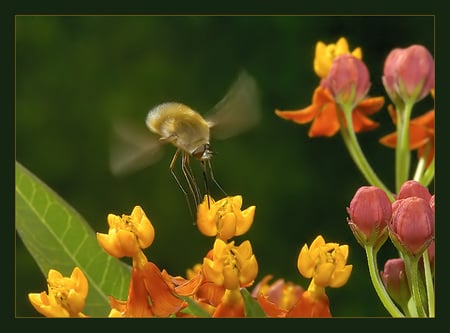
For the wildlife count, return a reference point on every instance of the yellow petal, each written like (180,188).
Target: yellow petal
(340,277)
(305,264)
(227,226)
(212,273)
(323,274)
(245,220)
(248,271)
(81,282)
(231,278)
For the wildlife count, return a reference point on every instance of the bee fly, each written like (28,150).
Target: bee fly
(190,132)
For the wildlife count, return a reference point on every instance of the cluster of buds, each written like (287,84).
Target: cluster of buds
(409,223)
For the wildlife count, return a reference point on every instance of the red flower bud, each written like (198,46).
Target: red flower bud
(412,188)
(348,80)
(412,225)
(395,280)
(408,73)
(370,211)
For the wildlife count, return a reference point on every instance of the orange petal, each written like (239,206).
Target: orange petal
(427,119)
(418,136)
(137,305)
(164,302)
(190,287)
(320,98)
(309,306)
(301,116)
(269,308)
(362,123)
(389,140)
(211,293)
(326,122)
(232,305)
(369,106)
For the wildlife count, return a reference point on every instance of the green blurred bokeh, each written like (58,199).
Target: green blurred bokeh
(75,75)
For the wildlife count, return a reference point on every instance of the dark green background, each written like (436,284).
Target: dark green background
(76,74)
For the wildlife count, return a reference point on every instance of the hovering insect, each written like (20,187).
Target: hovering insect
(190,133)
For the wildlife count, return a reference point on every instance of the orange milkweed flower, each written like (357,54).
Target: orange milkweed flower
(323,113)
(149,295)
(224,218)
(278,298)
(226,269)
(66,295)
(325,263)
(127,234)
(421,134)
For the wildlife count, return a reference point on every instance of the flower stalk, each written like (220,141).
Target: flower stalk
(352,144)
(371,254)
(402,152)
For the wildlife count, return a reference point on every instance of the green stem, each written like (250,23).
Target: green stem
(390,306)
(429,284)
(424,174)
(411,265)
(351,142)
(402,152)
(419,169)
(428,175)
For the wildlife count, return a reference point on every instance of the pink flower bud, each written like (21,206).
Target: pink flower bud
(370,211)
(412,188)
(395,280)
(408,73)
(348,80)
(432,202)
(412,225)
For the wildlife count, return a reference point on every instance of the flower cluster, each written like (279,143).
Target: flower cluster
(224,281)
(214,286)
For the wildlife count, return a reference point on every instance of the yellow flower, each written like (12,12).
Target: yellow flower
(128,234)
(325,55)
(66,296)
(224,218)
(230,266)
(325,263)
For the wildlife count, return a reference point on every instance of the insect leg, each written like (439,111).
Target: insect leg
(205,180)
(214,179)
(190,178)
(171,167)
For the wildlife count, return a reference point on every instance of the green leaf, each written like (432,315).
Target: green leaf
(252,308)
(59,238)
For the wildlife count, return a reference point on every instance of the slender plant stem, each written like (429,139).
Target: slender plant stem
(429,284)
(418,174)
(390,306)
(351,142)
(428,175)
(402,152)
(411,265)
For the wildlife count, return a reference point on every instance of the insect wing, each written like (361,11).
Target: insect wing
(238,111)
(132,148)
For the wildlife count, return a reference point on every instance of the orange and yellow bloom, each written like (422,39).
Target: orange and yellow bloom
(344,79)
(66,296)
(323,113)
(224,218)
(127,234)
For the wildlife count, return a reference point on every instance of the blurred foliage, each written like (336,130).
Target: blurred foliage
(75,75)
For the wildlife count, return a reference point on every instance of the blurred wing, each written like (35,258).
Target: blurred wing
(132,148)
(238,111)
